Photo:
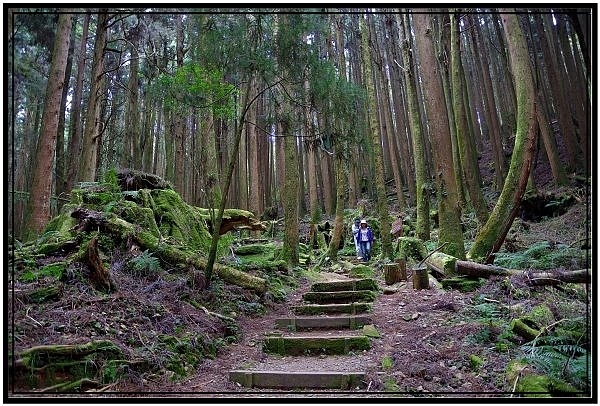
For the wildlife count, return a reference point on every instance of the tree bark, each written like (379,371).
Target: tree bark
(491,237)
(450,229)
(382,205)
(75,129)
(93,124)
(422,228)
(38,208)
(468,158)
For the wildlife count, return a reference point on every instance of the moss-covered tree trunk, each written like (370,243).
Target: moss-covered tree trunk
(490,238)
(450,229)
(422,229)
(91,135)
(290,251)
(468,159)
(382,204)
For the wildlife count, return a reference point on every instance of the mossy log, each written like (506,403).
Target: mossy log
(45,294)
(167,251)
(442,264)
(38,356)
(67,367)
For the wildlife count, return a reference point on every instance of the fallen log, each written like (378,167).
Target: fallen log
(557,276)
(167,251)
(448,265)
(471,268)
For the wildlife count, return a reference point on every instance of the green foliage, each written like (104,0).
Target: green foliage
(144,264)
(387,363)
(195,86)
(542,255)
(390,385)
(475,362)
(54,271)
(560,358)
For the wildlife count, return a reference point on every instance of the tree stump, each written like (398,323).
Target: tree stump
(99,275)
(392,273)
(401,269)
(420,277)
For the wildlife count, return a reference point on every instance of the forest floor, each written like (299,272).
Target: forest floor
(435,343)
(433,338)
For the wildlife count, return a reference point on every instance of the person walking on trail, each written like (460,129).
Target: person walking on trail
(355,230)
(365,236)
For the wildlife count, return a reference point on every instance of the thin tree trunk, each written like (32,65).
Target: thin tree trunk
(567,130)
(491,237)
(60,134)
(93,125)
(468,159)
(367,35)
(491,114)
(75,130)
(422,228)
(38,208)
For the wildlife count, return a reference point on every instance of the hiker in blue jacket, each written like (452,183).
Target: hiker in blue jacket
(365,238)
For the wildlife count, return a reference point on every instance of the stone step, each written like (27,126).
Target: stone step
(350,284)
(340,296)
(315,345)
(348,308)
(322,322)
(298,380)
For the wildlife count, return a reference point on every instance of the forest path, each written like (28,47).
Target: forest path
(301,352)
(418,337)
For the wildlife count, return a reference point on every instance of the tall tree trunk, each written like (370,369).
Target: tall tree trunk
(468,158)
(75,128)
(290,249)
(561,105)
(60,133)
(422,228)
(93,125)
(131,154)
(491,236)
(450,229)
(367,37)
(577,82)
(385,113)
(179,118)
(491,114)
(38,208)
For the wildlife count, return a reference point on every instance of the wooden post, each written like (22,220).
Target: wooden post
(420,277)
(401,269)
(392,273)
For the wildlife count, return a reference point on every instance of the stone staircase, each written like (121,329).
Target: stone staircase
(303,351)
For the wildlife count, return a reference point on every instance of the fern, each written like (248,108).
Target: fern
(144,264)
(561,359)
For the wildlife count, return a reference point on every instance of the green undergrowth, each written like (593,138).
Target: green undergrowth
(557,346)
(543,255)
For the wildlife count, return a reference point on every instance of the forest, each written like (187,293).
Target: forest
(176,178)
